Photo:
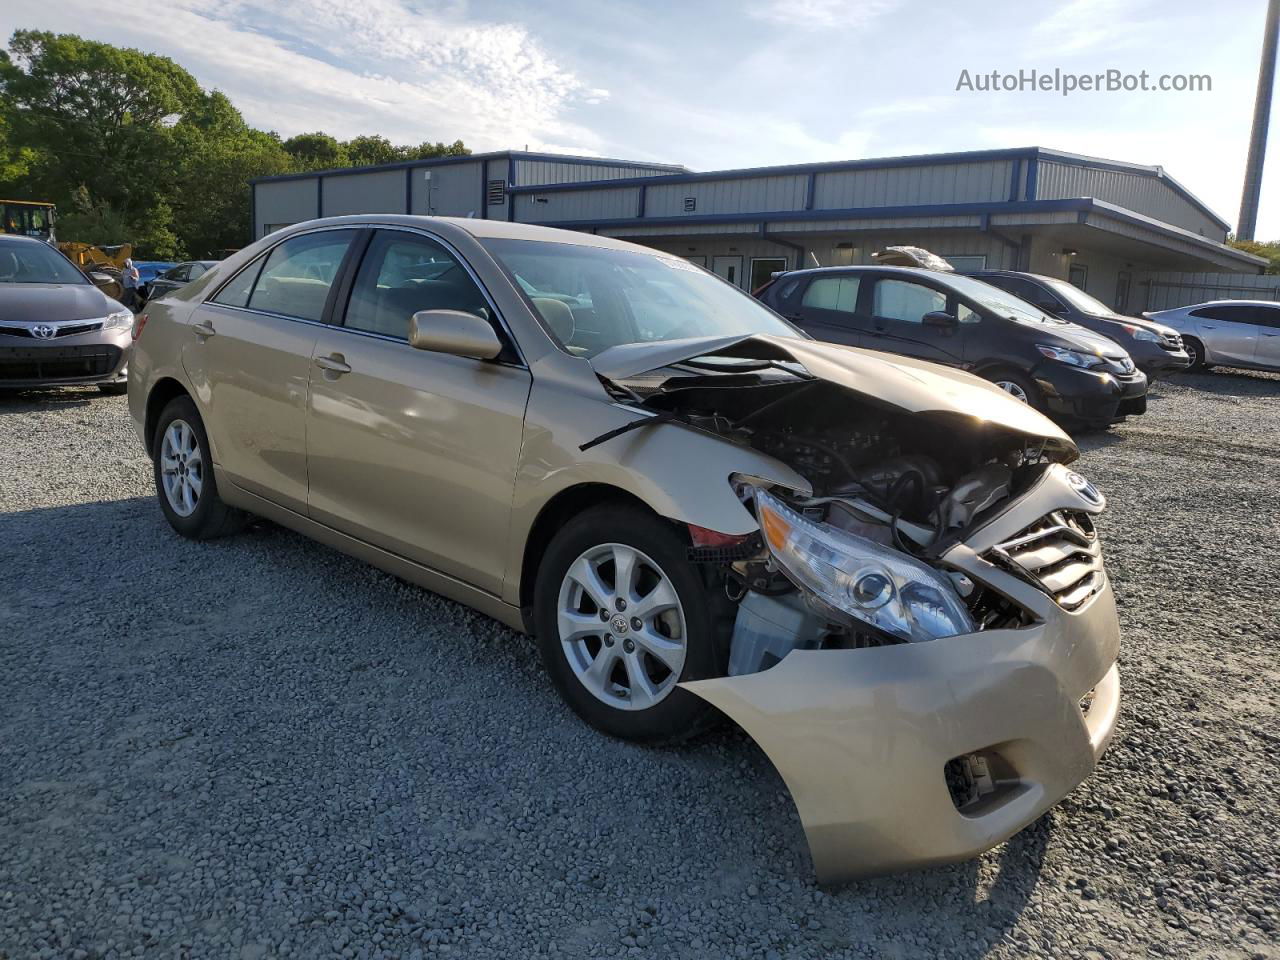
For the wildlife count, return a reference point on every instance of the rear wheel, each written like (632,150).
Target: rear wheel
(183,468)
(1195,350)
(622,617)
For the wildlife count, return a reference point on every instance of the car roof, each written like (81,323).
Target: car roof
(867,268)
(1010,273)
(1224,303)
(484,230)
(18,238)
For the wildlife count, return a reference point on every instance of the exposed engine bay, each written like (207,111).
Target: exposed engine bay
(853,562)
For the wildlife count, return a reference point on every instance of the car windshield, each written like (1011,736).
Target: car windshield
(36,263)
(1077,297)
(1002,302)
(593,298)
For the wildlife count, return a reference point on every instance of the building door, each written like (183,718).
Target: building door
(1124,279)
(1078,276)
(763,269)
(728,267)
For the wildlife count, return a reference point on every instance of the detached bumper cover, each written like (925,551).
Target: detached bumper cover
(862,737)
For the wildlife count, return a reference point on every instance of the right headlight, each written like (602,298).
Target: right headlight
(867,581)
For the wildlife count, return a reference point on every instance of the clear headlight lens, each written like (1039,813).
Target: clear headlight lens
(1142,333)
(867,581)
(120,320)
(1075,358)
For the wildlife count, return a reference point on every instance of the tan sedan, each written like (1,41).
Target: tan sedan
(882,569)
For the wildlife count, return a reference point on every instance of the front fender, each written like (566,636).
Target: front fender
(679,472)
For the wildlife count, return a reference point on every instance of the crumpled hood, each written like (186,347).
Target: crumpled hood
(53,302)
(910,385)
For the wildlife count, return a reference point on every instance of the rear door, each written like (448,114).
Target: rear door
(898,306)
(409,450)
(827,308)
(1228,331)
(249,359)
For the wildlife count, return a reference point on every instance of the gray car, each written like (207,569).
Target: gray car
(1230,333)
(175,278)
(56,327)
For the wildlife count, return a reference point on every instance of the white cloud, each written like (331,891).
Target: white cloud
(821,14)
(1092,26)
(378,66)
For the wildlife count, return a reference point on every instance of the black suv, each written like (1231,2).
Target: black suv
(1155,348)
(1064,370)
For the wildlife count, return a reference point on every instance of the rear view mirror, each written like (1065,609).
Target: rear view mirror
(939,319)
(454,332)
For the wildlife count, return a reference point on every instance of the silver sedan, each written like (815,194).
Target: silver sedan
(1229,333)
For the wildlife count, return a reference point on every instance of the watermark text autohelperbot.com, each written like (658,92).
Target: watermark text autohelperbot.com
(1066,83)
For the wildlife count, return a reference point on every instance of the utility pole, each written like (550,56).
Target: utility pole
(1261,117)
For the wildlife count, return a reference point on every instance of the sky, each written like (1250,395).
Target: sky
(716,84)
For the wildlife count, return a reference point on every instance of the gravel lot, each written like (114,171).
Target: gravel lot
(257,747)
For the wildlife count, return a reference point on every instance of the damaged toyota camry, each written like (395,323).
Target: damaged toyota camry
(883,570)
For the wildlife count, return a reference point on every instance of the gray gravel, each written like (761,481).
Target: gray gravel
(257,747)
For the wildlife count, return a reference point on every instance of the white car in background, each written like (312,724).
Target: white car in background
(1230,333)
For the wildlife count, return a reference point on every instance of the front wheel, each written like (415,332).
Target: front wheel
(1195,350)
(183,469)
(1019,386)
(622,617)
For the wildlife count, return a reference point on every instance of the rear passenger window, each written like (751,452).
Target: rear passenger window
(402,273)
(832,293)
(906,301)
(236,292)
(297,275)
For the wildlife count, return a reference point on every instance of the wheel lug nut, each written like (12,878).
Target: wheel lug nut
(604,616)
(608,640)
(629,646)
(636,623)
(621,604)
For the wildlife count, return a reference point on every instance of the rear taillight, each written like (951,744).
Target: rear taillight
(138,323)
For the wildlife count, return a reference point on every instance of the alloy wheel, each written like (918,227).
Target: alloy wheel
(621,626)
(1013,389)
(181,468)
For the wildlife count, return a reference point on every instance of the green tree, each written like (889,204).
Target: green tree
(1269,249)
(316,151)
(372,150)
(429,151)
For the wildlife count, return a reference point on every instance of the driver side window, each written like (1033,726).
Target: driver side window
(402,273)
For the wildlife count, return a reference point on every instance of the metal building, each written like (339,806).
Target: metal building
(1111,228)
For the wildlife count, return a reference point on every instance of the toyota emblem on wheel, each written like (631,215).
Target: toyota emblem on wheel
(44,331)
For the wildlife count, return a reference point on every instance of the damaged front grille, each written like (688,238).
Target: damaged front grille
(1060,554)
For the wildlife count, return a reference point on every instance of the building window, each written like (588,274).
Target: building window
(967,263)
(763,269)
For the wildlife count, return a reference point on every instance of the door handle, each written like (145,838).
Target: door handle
(204,329)
(334,363)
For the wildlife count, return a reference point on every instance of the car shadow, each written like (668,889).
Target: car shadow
(43,399)
(1230,382)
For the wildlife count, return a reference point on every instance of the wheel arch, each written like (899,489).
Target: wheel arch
(555,513)
(163,392)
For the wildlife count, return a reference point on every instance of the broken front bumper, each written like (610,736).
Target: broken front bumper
(862,737)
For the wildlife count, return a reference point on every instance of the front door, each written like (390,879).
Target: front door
(1267,351)
(413,451)
(248,355)
(728,267)
(898,308)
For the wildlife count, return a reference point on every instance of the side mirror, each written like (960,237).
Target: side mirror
(454,332)
(939,319)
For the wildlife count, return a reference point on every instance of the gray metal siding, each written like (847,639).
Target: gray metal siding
(605,204)
(1164,291)
(746,195)
(542,172)
(453,190)
(364,193)
(283,202)
(901,186)
(1140,193)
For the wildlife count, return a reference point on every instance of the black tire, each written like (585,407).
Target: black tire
(707,615)
(211,517)
(117,389)
(1035,398)
(1195,350)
